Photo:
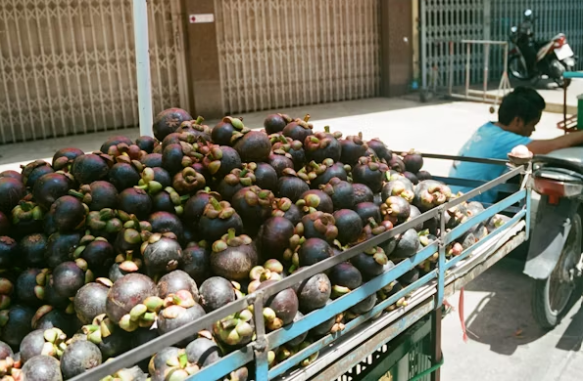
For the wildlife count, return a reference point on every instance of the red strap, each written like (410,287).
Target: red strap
(461,314)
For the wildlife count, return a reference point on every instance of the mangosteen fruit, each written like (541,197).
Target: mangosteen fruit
(341,192)
(371,262)
(179,310)
(217,219)
(97,252)
(280,160)
(397,164)
(195,206)
(315,200)
(47,189)
(414,212)
(221,160)
(68,214)
(15,324)
(235,181)
(399,187)
(266,177)
(65,156)
(367,210)
(353,147)
(90,300)
(97,195)
(349,225)
(135,201)
(344,277)
(41,368)
(69,276)
(223,132)
(254,206)
(171,364)
(380,149)
(412,177)
(104,223)
(235,330)
(6,291)
(127,292)
(49,342)
(196,261)
(362,193)
(78,357)
(323,145)
(167,121)
(407,245)
(313,251)
(410,277)
(313,293)
(203,352)
(216,292)
(146,143)
(370,172)
(163,222)
(9,252)
(12,190)
(430,194)
(396,209)
(423,175)
(114,141)
(274,237)
(124,175)
(173,157)
(176,281)
(253,146)
(283,207)
(30,286)
(188,181)
(413,161)
(88,168)
(161,255)
(319,174)
(275,123)
(291,186)
(233,256)
(298,129)
(281,308)
(60,248)
(365,305)
(46,317)
(152,160)
(34,170)
(320,225)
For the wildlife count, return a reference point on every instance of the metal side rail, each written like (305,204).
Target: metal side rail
(349,351)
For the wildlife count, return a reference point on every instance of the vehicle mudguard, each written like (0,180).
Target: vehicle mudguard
(552,226)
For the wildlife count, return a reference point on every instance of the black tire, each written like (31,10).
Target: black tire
(545,316)
(517,70)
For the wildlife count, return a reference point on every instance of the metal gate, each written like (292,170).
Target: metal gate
(281,53)
(68,66)
(454,20)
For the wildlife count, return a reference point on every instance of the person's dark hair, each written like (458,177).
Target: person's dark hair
(524,103)
(532,96)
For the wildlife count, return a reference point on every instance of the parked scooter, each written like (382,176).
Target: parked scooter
(555,260)
(530,59)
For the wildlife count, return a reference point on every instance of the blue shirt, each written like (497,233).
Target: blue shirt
(492,142)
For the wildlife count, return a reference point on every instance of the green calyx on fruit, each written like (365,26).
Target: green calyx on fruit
(218,210)
(27,211)
(188,181)
(230,240)
(236,329)
(378,254)
(105,221)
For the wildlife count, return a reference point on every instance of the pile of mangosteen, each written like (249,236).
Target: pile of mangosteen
(102,252)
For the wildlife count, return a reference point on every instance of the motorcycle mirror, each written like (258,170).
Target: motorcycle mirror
(514,29)
(528,13)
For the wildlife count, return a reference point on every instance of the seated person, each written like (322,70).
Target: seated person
(519,113)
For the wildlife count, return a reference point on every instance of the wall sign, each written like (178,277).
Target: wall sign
(200,18)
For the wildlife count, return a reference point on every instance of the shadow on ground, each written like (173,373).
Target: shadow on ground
(501,320)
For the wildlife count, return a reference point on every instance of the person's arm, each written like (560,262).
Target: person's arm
(548,145)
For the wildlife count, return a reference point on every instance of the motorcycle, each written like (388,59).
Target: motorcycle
(530,59)
(555,259)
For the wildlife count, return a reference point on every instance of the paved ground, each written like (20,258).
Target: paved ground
(505,343)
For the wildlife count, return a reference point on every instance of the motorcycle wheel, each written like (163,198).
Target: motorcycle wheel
(517,69)
(553,297)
